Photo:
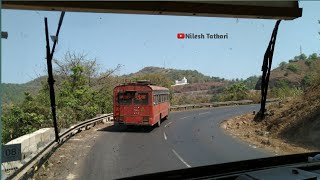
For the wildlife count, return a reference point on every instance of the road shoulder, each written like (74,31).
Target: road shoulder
(65,162)
(244,128)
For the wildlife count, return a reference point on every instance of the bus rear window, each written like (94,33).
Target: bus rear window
(125,98)
(141,98)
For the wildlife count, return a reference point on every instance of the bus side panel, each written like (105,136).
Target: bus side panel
(156,114)
(160,109)
(164,109)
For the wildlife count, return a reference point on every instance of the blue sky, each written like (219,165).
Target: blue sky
(136,41)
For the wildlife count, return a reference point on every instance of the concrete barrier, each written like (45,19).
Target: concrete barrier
(38,145)
(31,144)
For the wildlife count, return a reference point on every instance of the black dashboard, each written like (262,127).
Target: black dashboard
(297,166)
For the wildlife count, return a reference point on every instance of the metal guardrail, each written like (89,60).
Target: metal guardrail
(33,163)
(216,104)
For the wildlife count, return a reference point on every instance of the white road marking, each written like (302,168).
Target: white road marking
(204,113)
(167,124)
(180,158)
(184,117)
(164,135)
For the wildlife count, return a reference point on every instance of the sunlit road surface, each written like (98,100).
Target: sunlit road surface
(186,139)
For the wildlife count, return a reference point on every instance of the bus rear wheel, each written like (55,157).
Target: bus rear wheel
(159,122)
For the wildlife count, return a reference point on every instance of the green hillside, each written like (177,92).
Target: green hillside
(14,93)
(193,76)
(296,73)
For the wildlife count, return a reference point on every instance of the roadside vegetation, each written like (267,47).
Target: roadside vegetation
(81,93)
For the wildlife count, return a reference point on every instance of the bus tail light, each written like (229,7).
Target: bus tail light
(118,118)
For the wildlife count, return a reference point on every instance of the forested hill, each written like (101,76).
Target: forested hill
(11,92)
(15,92)
(192,76)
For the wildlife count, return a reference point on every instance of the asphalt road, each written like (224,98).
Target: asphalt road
(186,139)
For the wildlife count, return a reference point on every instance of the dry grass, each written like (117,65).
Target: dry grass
(292,126)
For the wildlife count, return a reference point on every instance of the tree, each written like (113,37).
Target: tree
(303,56)
(251,82)
(313,56)
(300,57)
(85,71)
(24,118)
(81,93)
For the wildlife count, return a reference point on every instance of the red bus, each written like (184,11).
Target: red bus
(140,103)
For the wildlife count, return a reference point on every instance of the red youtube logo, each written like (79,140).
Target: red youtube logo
(180,35)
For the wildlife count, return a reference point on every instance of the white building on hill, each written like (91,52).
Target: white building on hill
(182,82)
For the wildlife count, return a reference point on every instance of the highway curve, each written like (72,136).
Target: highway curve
(186,139)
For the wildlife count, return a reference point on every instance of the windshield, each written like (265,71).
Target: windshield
(141,99)
(137,97)
(202,93)
(125,98)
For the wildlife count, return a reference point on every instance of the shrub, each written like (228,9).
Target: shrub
(19,122)
(282,65)
(306,81)
(293,67)
(300,57)
(308,62)
(251,82)
(237,91)
(255,96)
(285,92)
(295,60)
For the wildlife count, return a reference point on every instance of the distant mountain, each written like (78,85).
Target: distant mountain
(192,76)
(14,93)
(197,82)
